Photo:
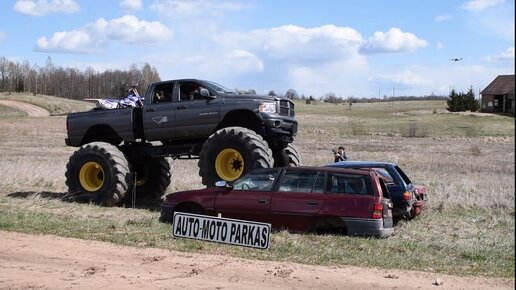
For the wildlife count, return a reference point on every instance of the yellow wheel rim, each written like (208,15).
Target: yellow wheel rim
(229,164)
(91,176)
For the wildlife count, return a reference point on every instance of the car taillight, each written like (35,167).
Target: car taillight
(407,195)
(377,211)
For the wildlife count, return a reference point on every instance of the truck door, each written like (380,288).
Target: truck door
(196,116)
(159,114)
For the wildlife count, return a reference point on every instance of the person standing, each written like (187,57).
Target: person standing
(340,154)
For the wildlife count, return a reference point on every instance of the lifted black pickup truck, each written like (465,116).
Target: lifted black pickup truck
(229,133)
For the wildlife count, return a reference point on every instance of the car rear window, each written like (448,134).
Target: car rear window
(342,183)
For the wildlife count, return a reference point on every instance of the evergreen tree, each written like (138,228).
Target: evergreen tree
(455,102)
(460,102)
(470,102)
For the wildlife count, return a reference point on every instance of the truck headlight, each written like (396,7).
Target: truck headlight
(268,108)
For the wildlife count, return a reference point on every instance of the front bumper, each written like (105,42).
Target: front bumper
(284,128)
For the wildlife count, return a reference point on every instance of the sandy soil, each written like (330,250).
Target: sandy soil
(31,110)
(50,262)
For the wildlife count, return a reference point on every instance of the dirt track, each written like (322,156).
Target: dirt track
(31,110)
(50,262)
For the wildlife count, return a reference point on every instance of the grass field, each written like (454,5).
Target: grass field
(465,160)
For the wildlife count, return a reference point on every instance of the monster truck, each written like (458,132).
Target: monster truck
(126,151)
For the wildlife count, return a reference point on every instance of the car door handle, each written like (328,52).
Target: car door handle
(312,203)
(150,110)
(264,201)
(181,107)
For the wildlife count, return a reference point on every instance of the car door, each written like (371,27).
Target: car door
(298,199)
(159,117)
(196,115)
(250,198)
(344,202)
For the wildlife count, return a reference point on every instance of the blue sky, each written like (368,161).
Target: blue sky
(365,48)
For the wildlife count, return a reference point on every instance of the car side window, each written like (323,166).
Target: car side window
(298,181)
(258,180)
(162,94)
(319,183)
(190,91)
(339,183)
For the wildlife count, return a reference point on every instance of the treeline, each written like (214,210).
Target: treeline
(73,83)
(334,99)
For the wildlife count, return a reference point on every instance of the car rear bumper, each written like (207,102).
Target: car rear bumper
(366,227)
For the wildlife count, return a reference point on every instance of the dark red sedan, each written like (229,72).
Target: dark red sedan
(299,199)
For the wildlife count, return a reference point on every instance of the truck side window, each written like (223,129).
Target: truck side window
(190,91)
(162,94)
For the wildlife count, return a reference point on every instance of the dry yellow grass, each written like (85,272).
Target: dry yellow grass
(476,171)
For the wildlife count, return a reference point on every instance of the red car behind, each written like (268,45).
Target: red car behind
(299,199)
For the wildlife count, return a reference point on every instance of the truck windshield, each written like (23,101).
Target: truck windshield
(220,89)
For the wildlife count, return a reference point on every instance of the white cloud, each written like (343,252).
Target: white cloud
(393,40)
(507,55)
(442,18)
(129,6)
(43,7)
(299,45)
(2,36)
(406,77)
(73,41)
(479,5)
(245,61)
(189,8)
(95,36)
(439,45)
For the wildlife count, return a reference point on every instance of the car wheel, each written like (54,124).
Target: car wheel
(98,172)
(231,152)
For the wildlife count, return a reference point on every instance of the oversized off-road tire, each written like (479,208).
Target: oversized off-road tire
(98,172)
(287,157)
(152,177)
(231,152)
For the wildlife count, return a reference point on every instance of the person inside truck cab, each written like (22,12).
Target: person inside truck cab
(159,97)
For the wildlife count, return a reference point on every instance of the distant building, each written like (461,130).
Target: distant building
(498,96)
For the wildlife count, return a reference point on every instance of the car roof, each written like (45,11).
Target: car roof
(330,169)
(353,164)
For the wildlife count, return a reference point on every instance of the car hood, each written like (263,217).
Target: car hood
(190,194)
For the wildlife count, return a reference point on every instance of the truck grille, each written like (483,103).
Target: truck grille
(287,108)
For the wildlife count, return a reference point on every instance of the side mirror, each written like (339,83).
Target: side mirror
(223,184)
(206,94)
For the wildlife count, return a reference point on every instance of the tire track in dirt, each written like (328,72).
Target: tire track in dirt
(30,109)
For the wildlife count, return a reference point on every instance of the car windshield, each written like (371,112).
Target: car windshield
(258,180)
(219,88)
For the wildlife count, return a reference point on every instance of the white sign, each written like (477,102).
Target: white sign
(222,230)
